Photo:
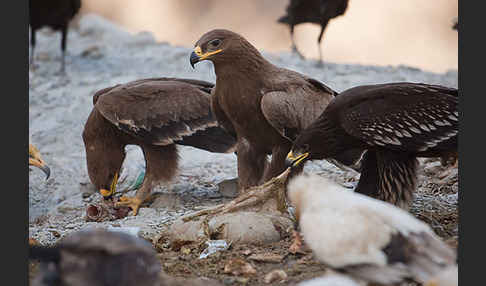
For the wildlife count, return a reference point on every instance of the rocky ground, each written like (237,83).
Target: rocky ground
(100,54)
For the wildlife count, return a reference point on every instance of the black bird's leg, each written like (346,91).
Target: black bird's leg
(294,47)
(319,48)
(389,176)
(32,44)
(63,48)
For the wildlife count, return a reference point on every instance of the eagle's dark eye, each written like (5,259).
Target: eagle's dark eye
(214,43)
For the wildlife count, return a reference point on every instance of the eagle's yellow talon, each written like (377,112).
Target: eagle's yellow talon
(134,203)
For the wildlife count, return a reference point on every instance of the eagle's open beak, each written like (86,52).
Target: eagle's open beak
(294,160)
(108,193)
(197,55)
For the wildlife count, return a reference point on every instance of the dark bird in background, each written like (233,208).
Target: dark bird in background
(264,105)
(155,114)
(456,25)
(55,14)
(312,11)
(97,257)
(36,160)
(368,239)
(395,123)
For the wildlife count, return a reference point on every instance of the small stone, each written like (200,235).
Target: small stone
(277,275)
(238,267)
(229,188)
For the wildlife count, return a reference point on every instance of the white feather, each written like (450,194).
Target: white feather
(448,277)
(344,228)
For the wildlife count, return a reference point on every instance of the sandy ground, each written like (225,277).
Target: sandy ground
(101,54)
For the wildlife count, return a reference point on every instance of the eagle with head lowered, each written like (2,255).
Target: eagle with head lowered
(155,114)
(396,123)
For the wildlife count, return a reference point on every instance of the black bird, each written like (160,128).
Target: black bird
(55,14)
(312,11)
(395,123)
(97,257)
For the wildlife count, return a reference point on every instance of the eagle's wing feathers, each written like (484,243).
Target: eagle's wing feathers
(404,118)
(291,107)
(164,111)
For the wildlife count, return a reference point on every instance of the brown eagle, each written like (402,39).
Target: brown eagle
(396,123)
(155,114)
(264,105)
(55,14)
(312,11)
(366,238)
(36,160)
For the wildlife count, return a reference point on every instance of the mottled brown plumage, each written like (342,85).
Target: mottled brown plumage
(264,105)
(55,14)
(396,123)
(155,114)
(312,11)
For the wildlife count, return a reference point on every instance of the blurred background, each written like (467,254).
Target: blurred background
(377,32)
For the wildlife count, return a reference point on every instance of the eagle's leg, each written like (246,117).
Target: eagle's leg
(63,50)
(161,162)
(32,44)
(269,196)
(277,164)
(251,165)
(133,202)
(294,46)
(320,63)
(389,176)
(368,181)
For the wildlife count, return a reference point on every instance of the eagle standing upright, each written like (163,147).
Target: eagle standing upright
(312,11)
(264,105)
(55,14)
(155,114)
